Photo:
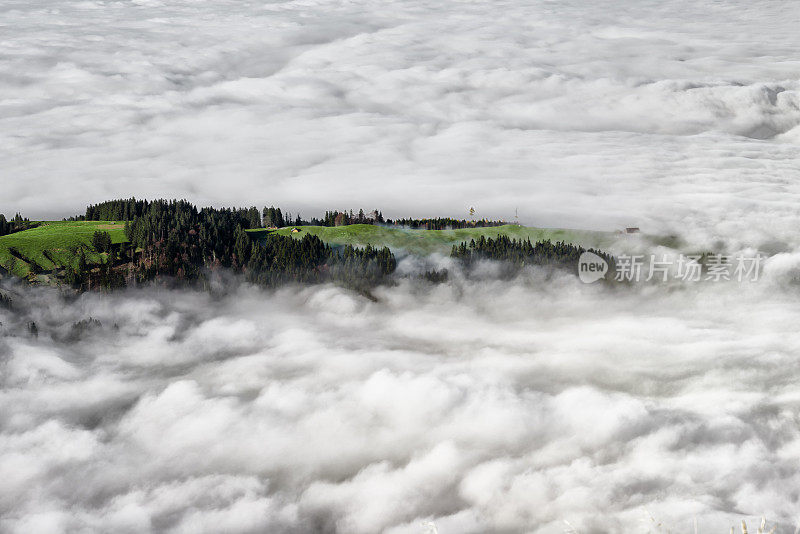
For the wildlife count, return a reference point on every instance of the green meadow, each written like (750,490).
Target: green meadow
(430,241)
(55,244)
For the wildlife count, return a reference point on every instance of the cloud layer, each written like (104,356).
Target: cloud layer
(484,407)
(586,114)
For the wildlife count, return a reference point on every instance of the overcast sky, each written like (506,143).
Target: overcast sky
(667,115)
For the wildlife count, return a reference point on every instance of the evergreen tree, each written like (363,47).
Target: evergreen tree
(81,267)
(242,246)
(254,221)
(101,241)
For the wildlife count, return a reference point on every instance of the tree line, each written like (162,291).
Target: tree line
(443,223)
(17,224)
(272,217)
(519,252)
(177,240)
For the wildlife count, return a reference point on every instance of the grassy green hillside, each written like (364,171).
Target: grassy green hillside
(429,241)
(54,244)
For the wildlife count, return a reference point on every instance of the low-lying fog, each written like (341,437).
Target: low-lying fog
(482,406)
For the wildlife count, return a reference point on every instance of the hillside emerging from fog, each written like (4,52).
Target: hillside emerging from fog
(175,239)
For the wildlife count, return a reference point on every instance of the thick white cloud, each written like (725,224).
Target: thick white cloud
(493,406)
(665,115)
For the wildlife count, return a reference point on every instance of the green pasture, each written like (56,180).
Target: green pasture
(430,241)
(55,244)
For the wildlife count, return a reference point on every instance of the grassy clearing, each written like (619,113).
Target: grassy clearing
(430,241)
(55,244)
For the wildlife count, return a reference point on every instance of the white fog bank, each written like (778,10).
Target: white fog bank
(484,407)
(672,115)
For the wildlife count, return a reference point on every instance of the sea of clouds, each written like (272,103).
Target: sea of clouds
(538,404)
(529,405)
